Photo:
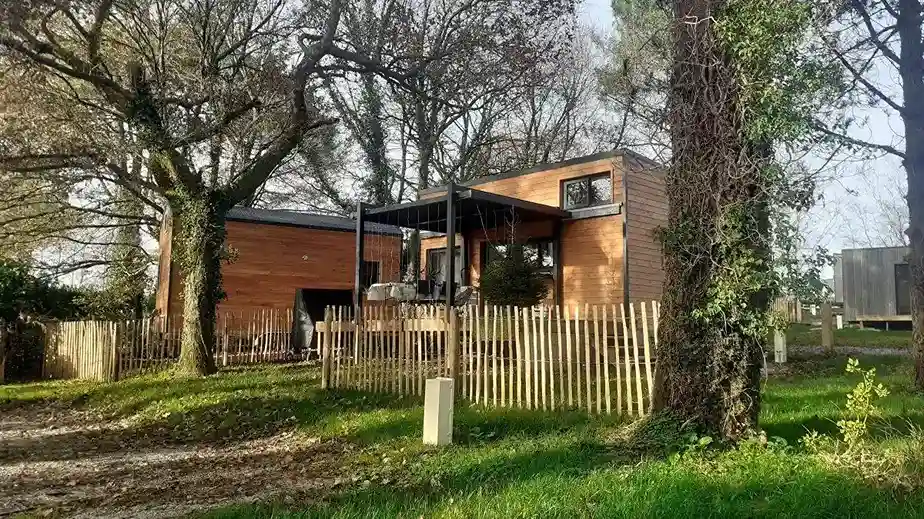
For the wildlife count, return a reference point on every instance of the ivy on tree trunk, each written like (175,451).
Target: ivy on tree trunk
(200,223)
(738,85)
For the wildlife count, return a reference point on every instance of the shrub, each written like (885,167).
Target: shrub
(860,406)
(513,280)
(854,426)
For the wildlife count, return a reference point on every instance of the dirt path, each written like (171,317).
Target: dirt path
(64,464)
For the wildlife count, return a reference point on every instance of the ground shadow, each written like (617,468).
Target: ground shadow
(583,480)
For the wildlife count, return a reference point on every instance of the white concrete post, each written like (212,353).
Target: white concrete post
(779,346)
(827,328)
(840,321)
(438,409)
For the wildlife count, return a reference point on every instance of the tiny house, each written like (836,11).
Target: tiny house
(875,284)
(589,222)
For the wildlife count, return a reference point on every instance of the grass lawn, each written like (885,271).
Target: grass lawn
(520,463)
(806,335)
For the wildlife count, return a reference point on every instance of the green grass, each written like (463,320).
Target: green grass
(519,463)
(805,335)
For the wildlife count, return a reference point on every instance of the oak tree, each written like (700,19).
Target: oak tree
(213,94)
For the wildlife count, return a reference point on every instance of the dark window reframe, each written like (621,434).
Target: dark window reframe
(589,200)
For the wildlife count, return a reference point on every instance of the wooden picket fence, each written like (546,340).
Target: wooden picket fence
(81,350)
(789,308)
(110,350)
(596,358)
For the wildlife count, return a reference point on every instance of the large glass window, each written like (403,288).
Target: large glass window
(540,252)
(370,273)
(438,264)
(588,191)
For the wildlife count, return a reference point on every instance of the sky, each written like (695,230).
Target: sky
(854,191)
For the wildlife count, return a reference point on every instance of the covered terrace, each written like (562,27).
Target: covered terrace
(460,211)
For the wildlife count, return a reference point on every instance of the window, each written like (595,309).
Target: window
(588,191)
(437,265)
(902,289)
(540,252)
(370,273)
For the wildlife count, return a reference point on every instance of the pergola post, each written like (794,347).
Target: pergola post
(450,246)
(360,254)
(557,267)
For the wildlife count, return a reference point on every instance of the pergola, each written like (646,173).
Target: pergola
(459,210)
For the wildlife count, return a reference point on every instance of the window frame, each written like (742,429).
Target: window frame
(442,250)
(587,180)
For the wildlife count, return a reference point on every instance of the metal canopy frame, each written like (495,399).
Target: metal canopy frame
(471,209)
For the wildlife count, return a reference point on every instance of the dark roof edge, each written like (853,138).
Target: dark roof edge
(371,227)
(313,226)
(609,154)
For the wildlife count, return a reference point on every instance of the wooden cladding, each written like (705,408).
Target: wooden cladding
(271,262)
(645,212)
(592,261)
(544,187)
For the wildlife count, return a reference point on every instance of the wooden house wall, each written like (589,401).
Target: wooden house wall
(838,279)
(592,261)
(165,267)
(869,282)
(274,261)
(544,187)
(645,211)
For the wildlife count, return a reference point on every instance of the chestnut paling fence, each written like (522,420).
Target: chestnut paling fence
(591,357)
(595,358)
(110,350)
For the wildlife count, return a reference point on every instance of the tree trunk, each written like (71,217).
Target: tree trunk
(914,165)
(716,246)
(199,246)
(912,73)
(4,337)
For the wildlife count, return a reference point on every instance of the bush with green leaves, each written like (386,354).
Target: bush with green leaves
(854,426)
(860,406)
(512,279)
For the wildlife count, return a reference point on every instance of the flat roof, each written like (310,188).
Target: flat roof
(305,220)
(476,209)
(550,166)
